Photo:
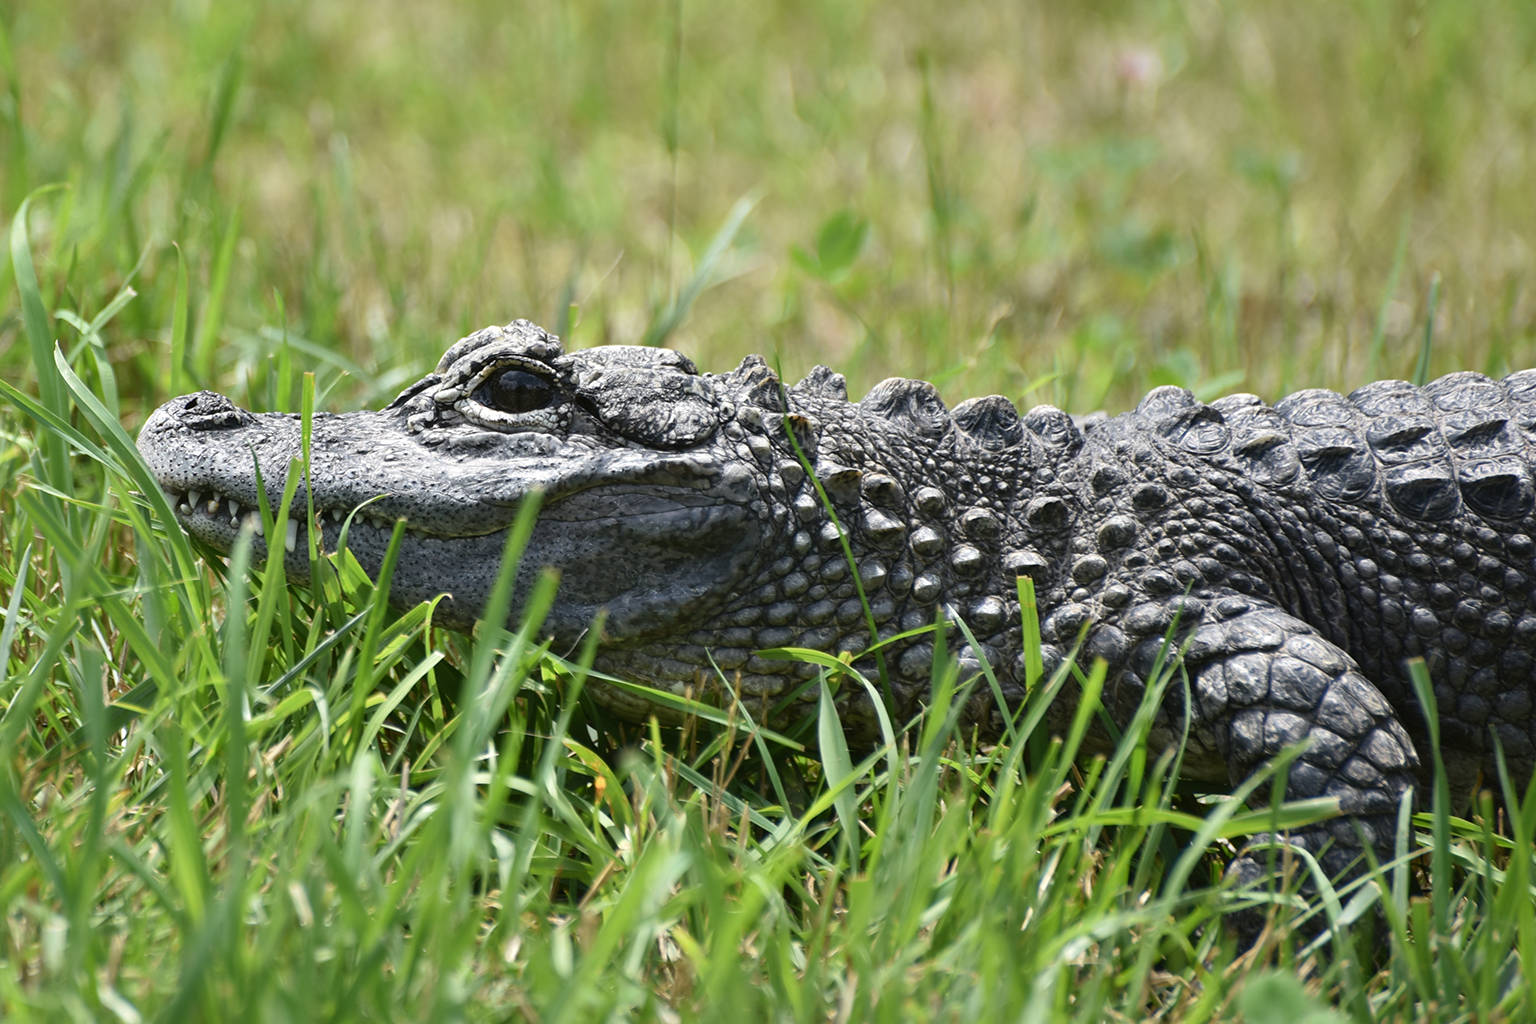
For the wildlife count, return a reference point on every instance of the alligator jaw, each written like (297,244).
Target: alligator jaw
(640,537)
(217,518)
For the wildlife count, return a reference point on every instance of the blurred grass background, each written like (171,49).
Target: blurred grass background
(1059,202)
(1062,202)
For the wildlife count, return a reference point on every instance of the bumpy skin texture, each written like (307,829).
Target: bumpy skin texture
(1299,552)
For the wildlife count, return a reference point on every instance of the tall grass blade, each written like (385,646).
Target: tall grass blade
(703,275)
(212,320)
(39,333)
(838,765)
(1431,308)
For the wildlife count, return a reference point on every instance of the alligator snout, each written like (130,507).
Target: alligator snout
(204,410)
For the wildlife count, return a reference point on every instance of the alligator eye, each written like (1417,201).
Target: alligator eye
(515,391)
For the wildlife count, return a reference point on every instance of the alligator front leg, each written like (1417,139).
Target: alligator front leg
(1262,680)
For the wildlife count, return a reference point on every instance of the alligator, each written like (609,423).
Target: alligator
(1299,554)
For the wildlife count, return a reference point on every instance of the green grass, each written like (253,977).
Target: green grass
(219,795)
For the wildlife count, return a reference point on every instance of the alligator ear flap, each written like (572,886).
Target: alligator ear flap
(821,383)
(912,404)
(660,410)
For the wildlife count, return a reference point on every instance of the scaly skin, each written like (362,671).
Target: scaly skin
(1301,551)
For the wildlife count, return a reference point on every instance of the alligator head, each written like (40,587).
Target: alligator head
(647,509)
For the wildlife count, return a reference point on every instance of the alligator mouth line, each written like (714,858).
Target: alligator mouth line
(210,513)
(197,507)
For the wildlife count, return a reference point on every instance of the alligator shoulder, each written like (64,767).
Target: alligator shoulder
(1299,552)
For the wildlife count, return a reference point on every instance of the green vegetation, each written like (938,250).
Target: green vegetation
(219,796)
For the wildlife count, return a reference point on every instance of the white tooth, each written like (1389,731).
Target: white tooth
(254,519)
(291,541)
(182,506)
(213,505)
(234,508)
(195,498)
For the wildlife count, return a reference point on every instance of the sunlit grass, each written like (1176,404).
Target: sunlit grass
(221,796)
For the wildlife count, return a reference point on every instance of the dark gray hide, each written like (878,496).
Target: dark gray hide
(1303,550)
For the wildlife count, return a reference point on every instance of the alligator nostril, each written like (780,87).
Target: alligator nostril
(205,402)
(205,410)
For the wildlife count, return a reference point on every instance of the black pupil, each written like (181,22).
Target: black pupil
(516,391)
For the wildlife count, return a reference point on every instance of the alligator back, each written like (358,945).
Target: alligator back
(1398,521)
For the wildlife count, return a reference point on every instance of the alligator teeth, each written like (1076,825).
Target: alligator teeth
(213,504)
(194,499)
(291,538)
(234,509)
(253,520)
